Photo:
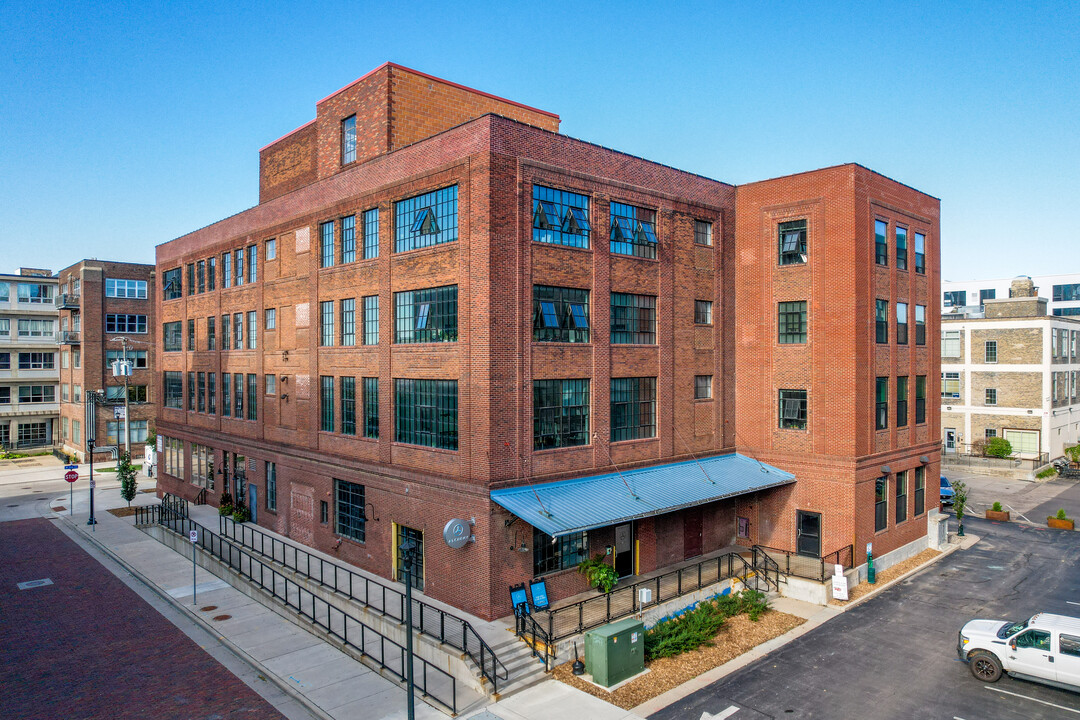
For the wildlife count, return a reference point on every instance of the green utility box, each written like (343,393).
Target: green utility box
(615,652)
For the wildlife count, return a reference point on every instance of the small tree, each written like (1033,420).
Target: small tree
(126,472)
(998,447)
(960,491)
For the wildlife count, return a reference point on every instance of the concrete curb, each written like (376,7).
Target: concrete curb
(827,613)
(255,665)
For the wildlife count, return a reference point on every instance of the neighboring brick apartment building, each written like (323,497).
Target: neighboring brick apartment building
(28,369)
(443,309)
(1010,370)
(100,303)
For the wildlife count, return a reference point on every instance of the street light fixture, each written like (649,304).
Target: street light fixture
(406,552)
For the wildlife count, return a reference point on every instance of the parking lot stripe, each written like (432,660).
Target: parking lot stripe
(1026,697)
(1072,603)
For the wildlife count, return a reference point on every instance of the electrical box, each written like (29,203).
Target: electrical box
(615,652)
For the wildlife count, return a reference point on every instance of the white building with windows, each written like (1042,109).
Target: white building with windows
(29,371)
(1012,371)
(1062,293)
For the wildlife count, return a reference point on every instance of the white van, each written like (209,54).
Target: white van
(1045,648)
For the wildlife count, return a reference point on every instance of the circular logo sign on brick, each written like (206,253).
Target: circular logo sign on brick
(456,533)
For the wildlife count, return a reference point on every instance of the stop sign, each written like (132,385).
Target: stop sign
(71,476)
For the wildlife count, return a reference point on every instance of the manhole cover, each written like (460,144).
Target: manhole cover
(31,584)
(222,617)
(208,608)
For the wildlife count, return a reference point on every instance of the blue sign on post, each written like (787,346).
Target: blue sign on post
(71,467)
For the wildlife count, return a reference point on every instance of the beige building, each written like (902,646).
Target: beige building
(1010,371)
(29,372)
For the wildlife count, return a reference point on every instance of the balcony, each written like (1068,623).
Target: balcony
(68,337)
(68,302)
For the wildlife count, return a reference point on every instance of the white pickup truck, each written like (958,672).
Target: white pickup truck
(1045,649)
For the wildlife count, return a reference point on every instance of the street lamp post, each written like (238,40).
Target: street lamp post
(90,444)
(406,550)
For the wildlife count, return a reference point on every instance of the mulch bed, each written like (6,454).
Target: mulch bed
(738,636)
(887,576)
(123,512)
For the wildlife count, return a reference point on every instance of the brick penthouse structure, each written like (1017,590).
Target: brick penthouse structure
(443,309)
(100,303)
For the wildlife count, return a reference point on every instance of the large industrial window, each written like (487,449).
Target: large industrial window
(36,361)
(560,314)
(211,393)
(429,315)
(954,298)
(633,230)
(252,322)
(560,413)
(173,333)
(238,256)
(882,403)
(881,504)
(238,396)
(791,240)
(173,390)
(326,403)
(633,319)
(125,323)
(348,406)
(901,496)
(226,394)
(425,413)
(901,401)
(201,380)
(226,321)
(348,239)
(326,323)
(271,486)
(901,248)
(920,253)
(426,220)
(326,244)
(1063,293)
(349,518)
(920,324)
(560,217)
(137,358)
(791,322)
(37,393)
(211,333)
(348,140)
(881,245)
(170,284)
(348,322)
(226,270)
(125,288)
(881,320)
(565,552)
(371,407)
(371,233)
(792,409)
(114,432)
(901,324)
(633,408)
(191,279)
(252,396)
(191,334)
(371,320)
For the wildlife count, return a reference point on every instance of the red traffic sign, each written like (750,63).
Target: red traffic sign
(71,476)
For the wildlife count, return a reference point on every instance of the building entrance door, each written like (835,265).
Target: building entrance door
(808,534)
(692,532)
(415,561)
(253,502)
(950,441)
(624,549)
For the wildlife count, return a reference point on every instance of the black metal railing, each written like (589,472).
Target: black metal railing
(175,504)
(434,622)
(576,618)
(389,655)
(200,498)
(805,566)
(765,568)
(534,635)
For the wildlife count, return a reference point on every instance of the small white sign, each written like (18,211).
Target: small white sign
(93,483)
(869,548)
(119,412)
(193,535)
(839,583)
(633,637)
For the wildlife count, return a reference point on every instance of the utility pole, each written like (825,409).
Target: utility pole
(127,407)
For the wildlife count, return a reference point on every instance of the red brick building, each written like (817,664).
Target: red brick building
(443,309)
(100,303)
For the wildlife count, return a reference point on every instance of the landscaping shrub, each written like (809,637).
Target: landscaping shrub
(998,447)
(699,626)
(996,507)
(1061,514)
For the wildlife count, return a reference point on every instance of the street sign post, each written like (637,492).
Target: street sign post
(193,536)
(71,476)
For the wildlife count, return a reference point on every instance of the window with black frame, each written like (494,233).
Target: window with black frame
(793,407)
(633,231)
(348,406)
(371,233)
(881,242)
(881,321)
(633,319)
(348,322)
(633,408)
(326,244)
(565,552)
(560,217)
(901,323)
(371,320)
(901,401)
(791,322)
(426,220)
(703,312)
(920,490)
(348,239)
(560,413)
(371,407)
(426,413)
(881,504)
(226,395)
(920,253)
(429,315)
(882,387)
(901,248)
(171,287)
(560,314)
(901,496)
(349,518)
(920,324)
(791,240)
(326,403)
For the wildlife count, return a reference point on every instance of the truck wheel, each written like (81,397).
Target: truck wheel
(985,666)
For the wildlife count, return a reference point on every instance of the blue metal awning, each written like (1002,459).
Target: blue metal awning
(567,506)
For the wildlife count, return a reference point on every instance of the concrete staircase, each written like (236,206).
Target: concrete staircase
(523,668)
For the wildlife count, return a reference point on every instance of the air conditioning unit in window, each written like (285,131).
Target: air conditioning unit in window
(644,596)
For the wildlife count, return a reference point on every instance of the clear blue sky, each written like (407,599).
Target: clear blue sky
(124,125)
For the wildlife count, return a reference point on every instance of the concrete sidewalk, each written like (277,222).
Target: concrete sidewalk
(324,680)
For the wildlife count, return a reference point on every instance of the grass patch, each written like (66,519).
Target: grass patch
(12,455)
(1046,472)
(113,469)
(699,626)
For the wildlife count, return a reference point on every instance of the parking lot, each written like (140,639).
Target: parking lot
(895,655)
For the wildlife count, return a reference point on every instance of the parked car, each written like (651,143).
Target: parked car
(1044,649)
(947,493)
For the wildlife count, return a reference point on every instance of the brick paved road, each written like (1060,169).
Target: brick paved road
(88,647)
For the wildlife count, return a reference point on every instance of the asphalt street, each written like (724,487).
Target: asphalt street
(894,656)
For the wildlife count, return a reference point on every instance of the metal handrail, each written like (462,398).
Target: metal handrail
(333,620)
(527,628)
(381,598)
(764,566)
(806,566)
(624,601)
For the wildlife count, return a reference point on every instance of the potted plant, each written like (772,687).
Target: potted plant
(996,513)
(225,504)
(599,574)
(241,513)
(1060,521)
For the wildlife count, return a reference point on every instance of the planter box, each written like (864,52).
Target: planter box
(1060,524)
(998,515)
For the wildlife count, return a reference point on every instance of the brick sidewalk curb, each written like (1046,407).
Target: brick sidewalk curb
(829,611)
(255,665)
